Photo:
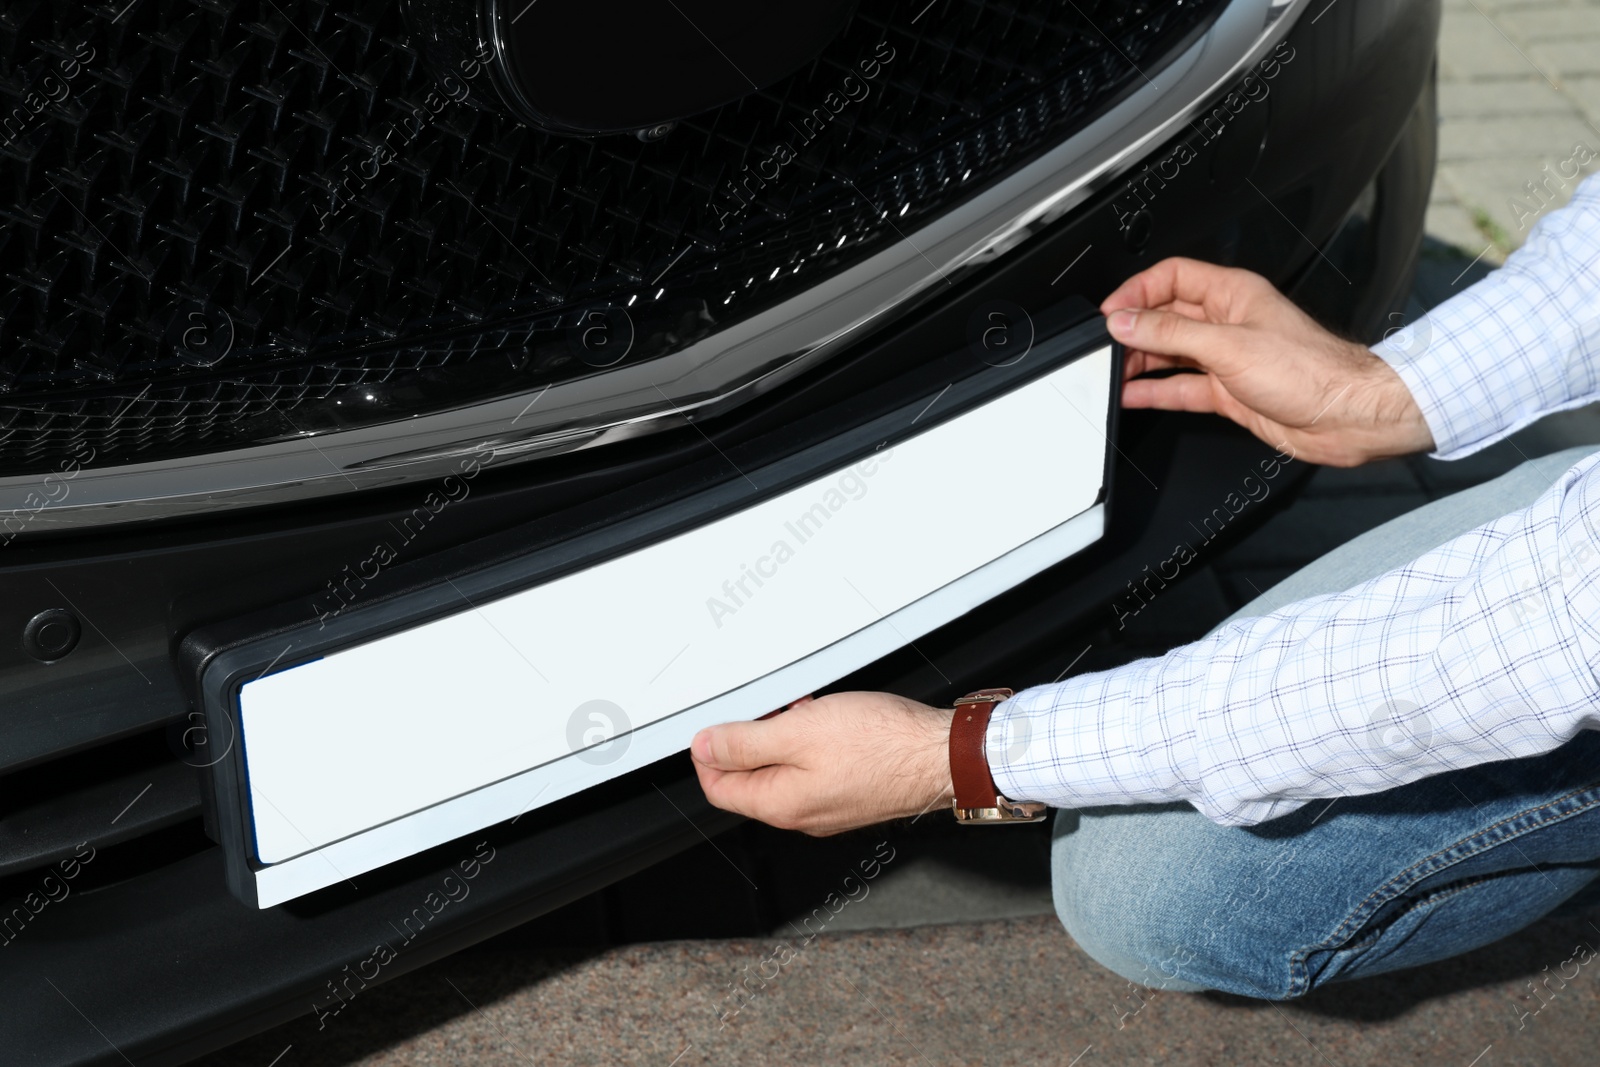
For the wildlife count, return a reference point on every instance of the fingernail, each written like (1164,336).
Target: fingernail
(1121,323)
(700,747)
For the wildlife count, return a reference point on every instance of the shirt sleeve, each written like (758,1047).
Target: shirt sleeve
(1520,344)
(1485,648)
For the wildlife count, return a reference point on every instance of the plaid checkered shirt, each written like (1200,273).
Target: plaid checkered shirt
(1485,648)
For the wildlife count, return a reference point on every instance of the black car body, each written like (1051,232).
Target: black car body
(274,272)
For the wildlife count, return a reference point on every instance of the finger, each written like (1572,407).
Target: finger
(1163,333)
(709,776)
(742,746)
(1135,362)
(1181,392)
(1186,309)
(1181,307)
(1177,279)
(715,785)
(765,794)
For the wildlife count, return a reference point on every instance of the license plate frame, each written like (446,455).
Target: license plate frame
(227,659)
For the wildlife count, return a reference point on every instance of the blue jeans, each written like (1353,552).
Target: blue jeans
(1352,887)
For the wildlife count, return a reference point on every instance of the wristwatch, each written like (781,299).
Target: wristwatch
(978,800)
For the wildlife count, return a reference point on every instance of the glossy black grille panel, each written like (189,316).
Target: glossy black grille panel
(231,221)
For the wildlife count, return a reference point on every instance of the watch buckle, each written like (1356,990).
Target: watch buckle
(985,696)
(1006,811)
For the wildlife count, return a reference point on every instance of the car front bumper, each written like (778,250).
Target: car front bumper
(161,962)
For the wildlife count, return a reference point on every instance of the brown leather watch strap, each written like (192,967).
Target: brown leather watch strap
(969,762)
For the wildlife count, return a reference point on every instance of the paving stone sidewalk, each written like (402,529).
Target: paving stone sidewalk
(1519,102)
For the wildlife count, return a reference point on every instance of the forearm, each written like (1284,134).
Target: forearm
(1478,651)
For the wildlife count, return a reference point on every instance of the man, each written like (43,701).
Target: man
(1389,758)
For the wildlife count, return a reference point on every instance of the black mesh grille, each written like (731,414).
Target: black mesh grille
(184,177)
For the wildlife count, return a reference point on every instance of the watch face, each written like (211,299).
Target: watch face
(605,66)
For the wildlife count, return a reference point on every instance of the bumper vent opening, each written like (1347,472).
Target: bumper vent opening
(132,792)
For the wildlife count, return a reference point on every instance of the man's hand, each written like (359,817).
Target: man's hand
(1265,364)
(831,764)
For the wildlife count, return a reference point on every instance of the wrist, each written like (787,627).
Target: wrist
(1401,427)
(1384,418)
(934,758)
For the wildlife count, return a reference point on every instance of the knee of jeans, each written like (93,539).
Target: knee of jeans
(1128,891)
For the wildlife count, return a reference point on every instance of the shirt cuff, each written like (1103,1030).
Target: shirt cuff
(1133,735)
(1071,744)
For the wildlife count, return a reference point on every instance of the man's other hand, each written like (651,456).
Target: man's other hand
(831,764)
(1264,363)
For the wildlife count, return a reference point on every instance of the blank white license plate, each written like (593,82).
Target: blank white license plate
(390,747)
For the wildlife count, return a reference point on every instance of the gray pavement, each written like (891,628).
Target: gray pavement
(1001,992)
(954,956)
(1519,103)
